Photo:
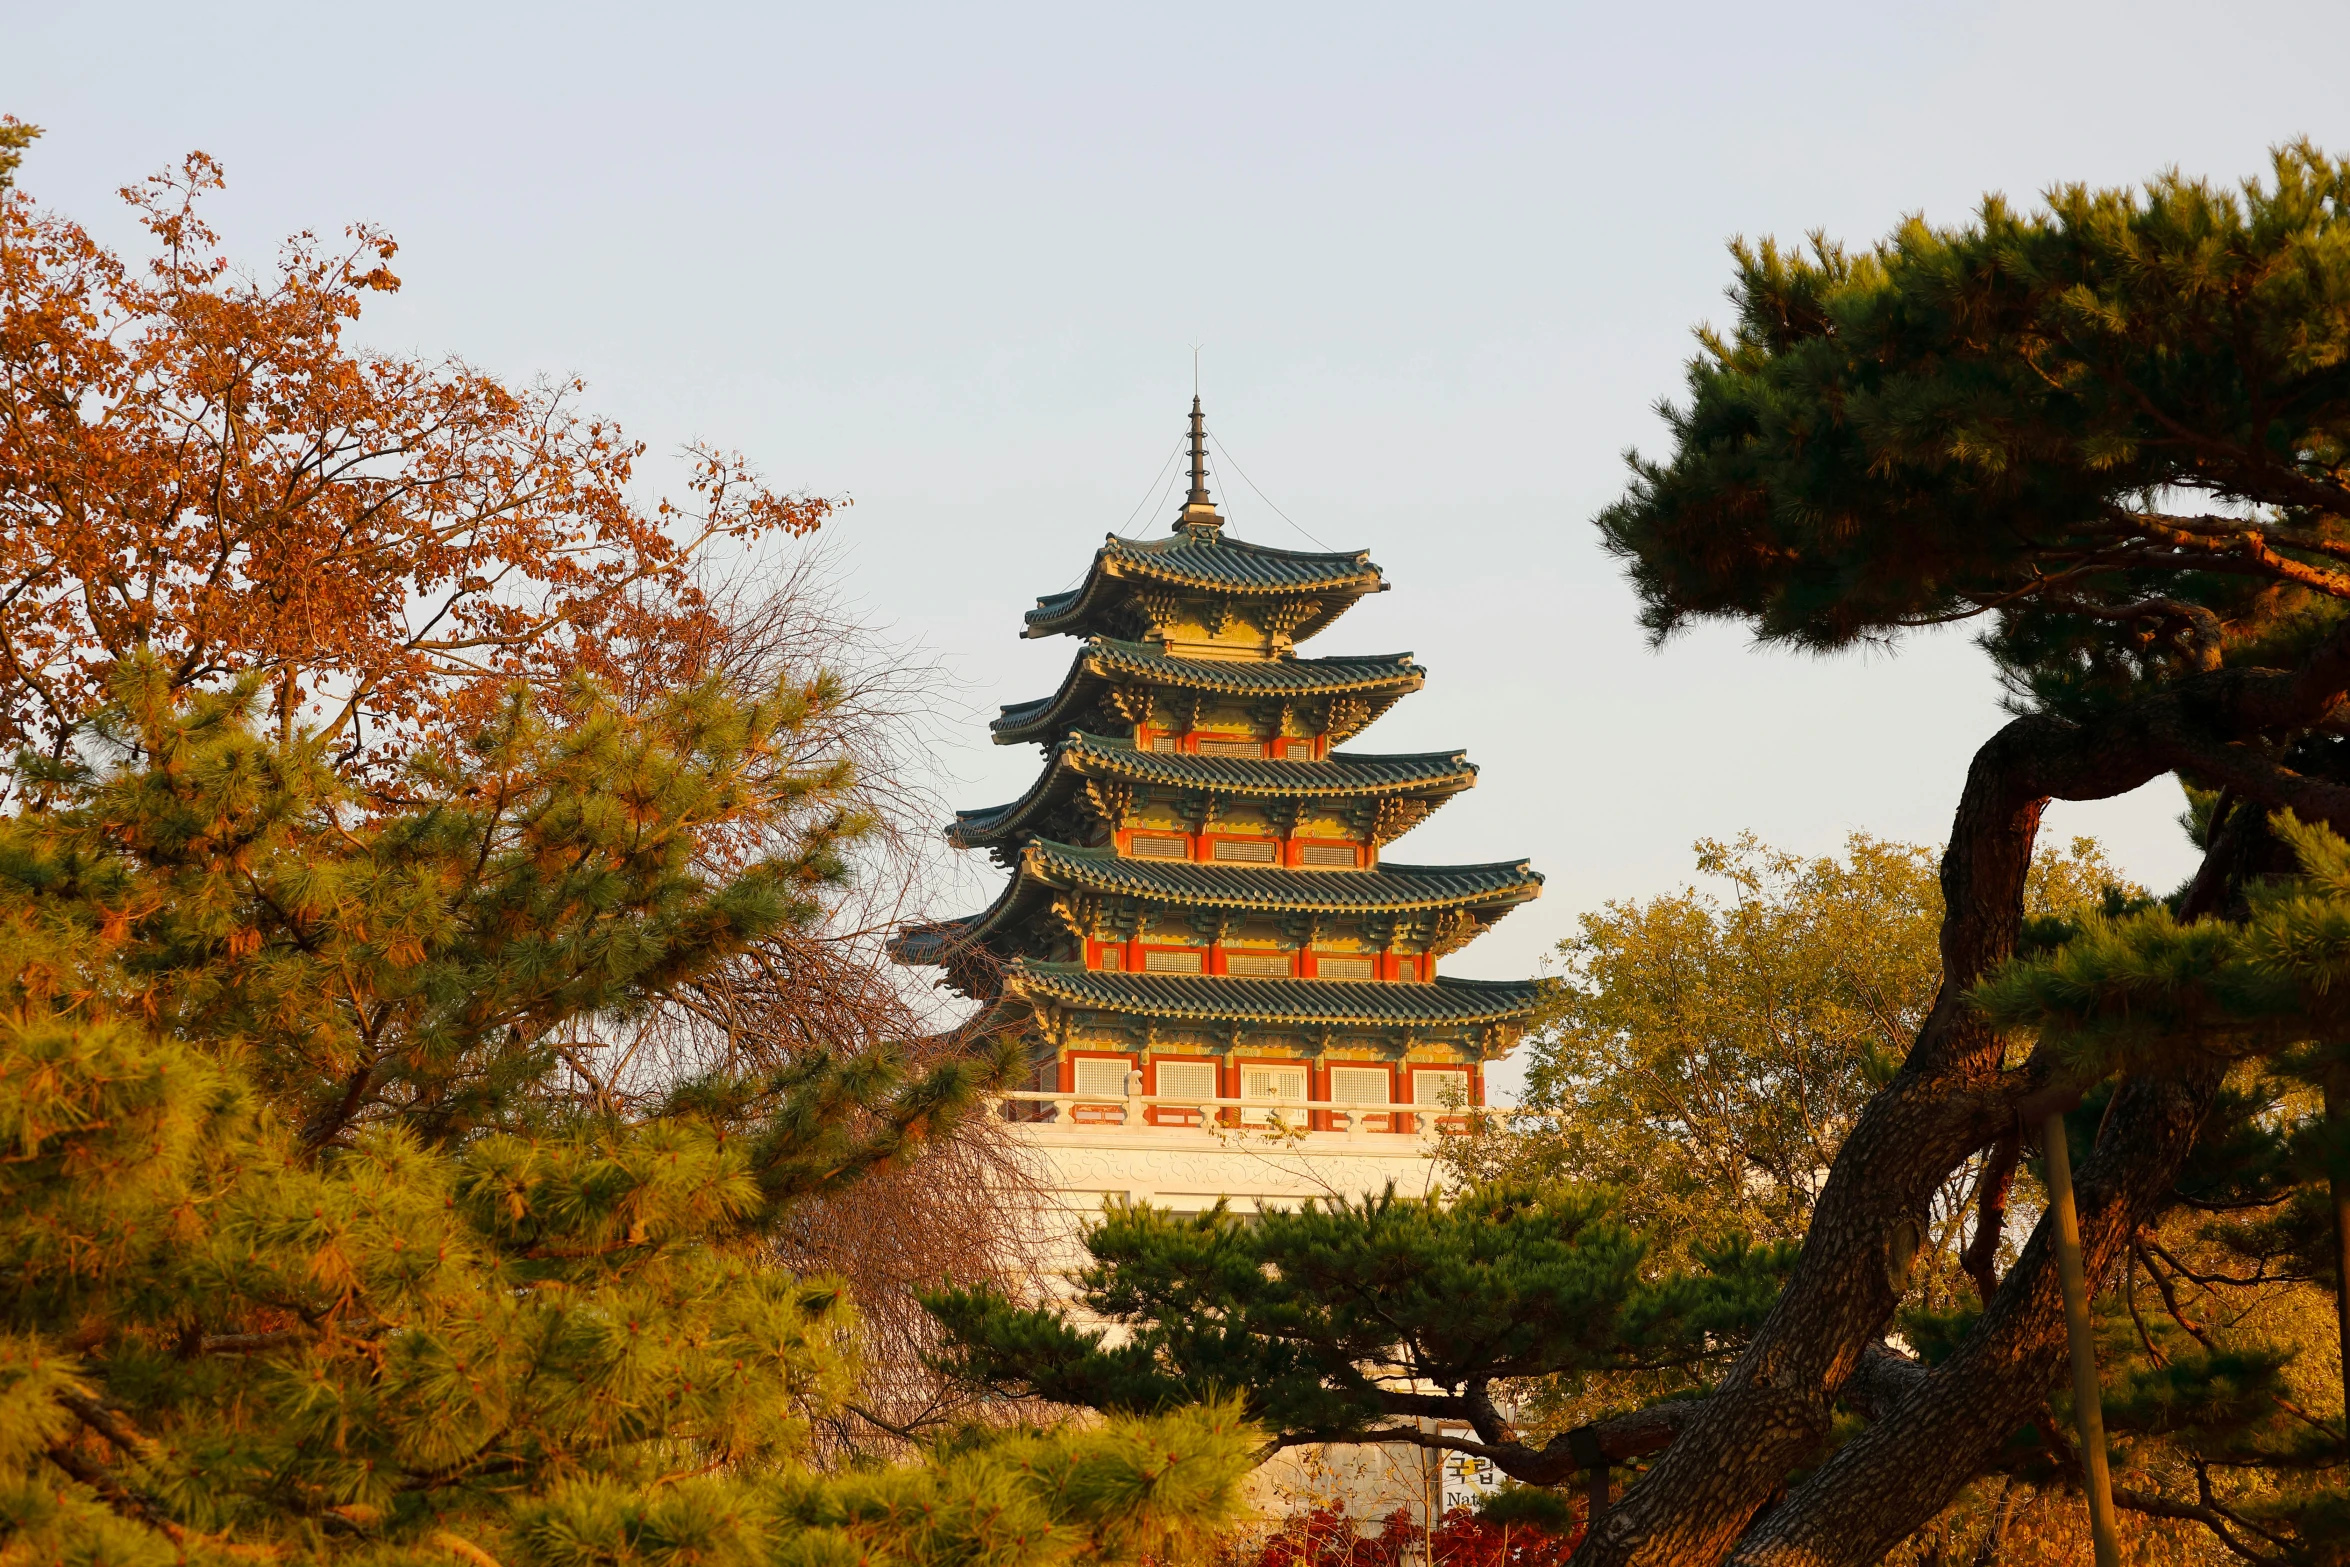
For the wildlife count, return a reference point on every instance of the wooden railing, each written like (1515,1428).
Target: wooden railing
(1296,1115)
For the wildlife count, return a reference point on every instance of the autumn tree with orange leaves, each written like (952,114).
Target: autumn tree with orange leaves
(199,464)
(394,786)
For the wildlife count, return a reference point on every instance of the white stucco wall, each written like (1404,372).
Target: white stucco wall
(1187,1169)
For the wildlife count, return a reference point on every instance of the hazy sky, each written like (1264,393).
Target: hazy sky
(1443,259)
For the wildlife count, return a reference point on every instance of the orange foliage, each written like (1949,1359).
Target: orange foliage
(195,460)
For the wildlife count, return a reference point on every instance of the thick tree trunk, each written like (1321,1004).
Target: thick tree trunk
(1955,1094)
(1773,1410)
(1875,1492)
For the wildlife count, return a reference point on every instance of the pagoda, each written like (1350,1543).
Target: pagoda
(1200,906)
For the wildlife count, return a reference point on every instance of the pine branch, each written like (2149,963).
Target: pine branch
(109,1424)
(2207,1280)
(1615,1441)
(133,1505)
(2210,1517)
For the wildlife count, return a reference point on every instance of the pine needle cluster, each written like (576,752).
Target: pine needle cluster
(306,1253)
(1345,1321)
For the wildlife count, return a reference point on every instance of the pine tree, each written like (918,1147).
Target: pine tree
(425,965)
(1351,1321)
(247,1310)
(2116,430)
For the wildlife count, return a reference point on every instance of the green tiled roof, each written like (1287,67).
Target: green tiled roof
(1390,888)
(1345,775)
(1200,591)
(1383,677)
(1205,560)
(1333,1003)
(1044,868)
(925,944)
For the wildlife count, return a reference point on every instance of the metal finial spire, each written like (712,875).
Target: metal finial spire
(1198,510)
(1199,457)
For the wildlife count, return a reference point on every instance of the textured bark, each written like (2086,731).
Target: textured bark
(1953,1096)
(1774,1408)
(1882,1382)
(2337,1108)
(1980,1260)
(1868,1497)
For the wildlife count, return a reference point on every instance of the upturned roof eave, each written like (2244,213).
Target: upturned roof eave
(1023,722)
(1032,880)
(1080,756)
(1442,1003)
(1062,614)
(968,932)
(1064,867)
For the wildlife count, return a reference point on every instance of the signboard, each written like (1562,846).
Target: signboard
(1464,1478)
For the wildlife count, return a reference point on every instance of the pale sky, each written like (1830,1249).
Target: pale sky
(1443,261)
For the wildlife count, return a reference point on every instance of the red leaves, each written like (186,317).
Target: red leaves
(192,459)
(1327,1537)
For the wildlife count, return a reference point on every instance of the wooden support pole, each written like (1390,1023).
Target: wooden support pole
(1584,1449)
(2337,1110)
(2088,1412)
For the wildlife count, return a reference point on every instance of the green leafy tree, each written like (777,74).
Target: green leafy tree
(1352,1322)
(1704,1055)
(2116,430)
(469,1316)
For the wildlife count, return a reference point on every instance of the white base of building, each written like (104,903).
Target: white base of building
(1253,1169)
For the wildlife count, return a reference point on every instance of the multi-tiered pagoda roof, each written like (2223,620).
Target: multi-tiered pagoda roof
(1197,878)
(1333,696)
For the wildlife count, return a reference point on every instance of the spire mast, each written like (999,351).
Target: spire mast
(1198,510)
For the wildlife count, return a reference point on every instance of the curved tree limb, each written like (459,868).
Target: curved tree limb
(1866,1498)
(1616,1441)
(1953,1096)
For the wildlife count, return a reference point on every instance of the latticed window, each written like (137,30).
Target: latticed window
(1359,1085)
(1160,846)
(1247,851)
(1327,856)
(1232,748)
(1346,968)
(1441,1089)
(1273,1083)
(1261,965)
(1101,1076)
(1171,960)
(1187,1079)
(1190,1083)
